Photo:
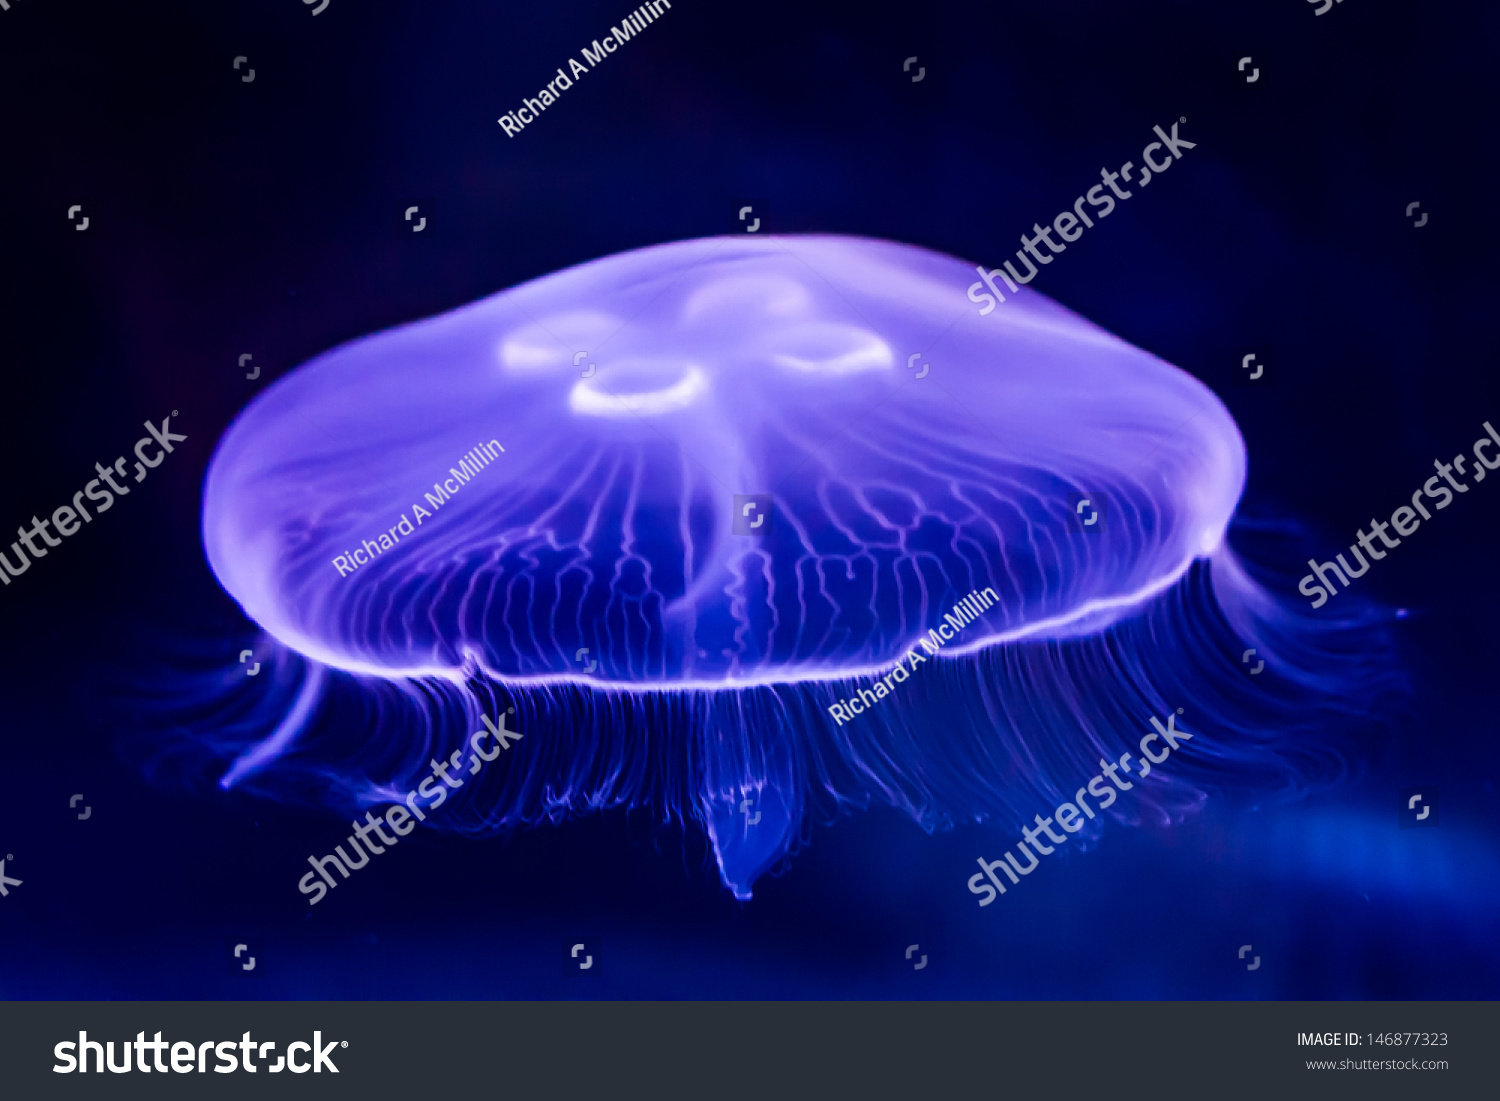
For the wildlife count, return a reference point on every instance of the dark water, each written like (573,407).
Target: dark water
(229,217)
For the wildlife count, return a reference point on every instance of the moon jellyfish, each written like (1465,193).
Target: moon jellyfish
(756,532)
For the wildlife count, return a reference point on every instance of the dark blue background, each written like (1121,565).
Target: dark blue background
(265,217)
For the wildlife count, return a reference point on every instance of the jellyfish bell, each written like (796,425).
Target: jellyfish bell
(555,469)
(721,367)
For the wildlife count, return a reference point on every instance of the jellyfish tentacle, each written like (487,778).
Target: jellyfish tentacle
(607,524)
(280,740)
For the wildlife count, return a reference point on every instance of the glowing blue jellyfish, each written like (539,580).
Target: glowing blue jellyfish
(535,497)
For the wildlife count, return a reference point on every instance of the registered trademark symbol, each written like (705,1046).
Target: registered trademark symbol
(345,1043)
(1183,119)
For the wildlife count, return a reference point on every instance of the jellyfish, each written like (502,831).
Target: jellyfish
(751,532)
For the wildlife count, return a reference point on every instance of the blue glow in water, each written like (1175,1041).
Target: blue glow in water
(435,518)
